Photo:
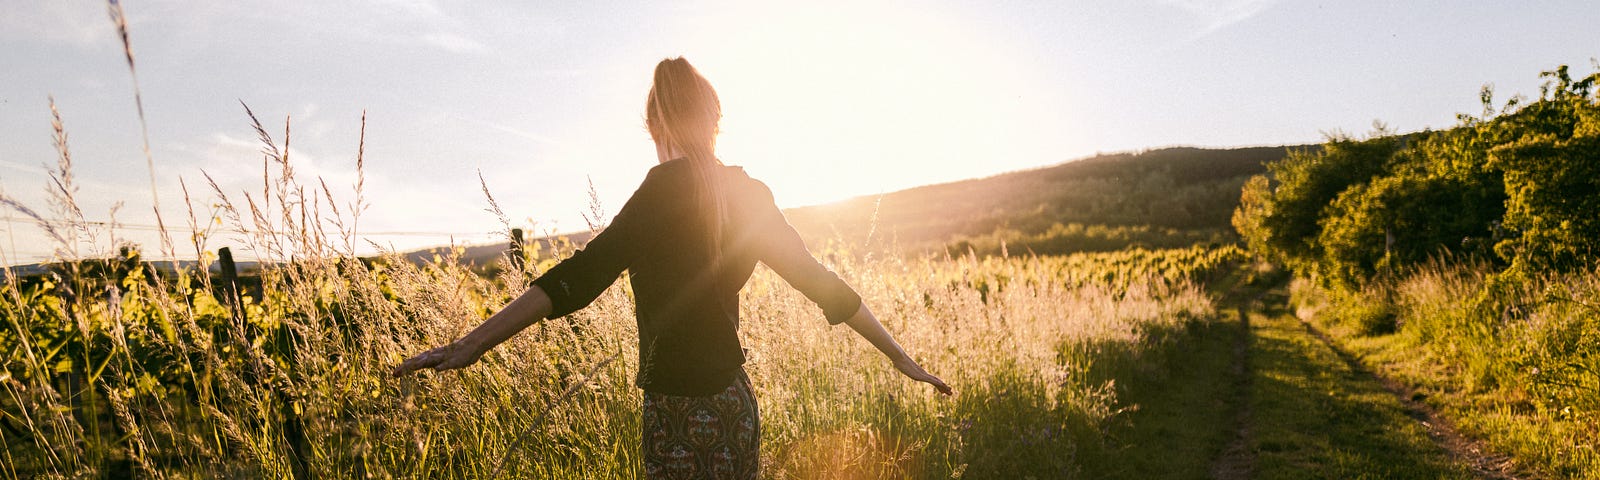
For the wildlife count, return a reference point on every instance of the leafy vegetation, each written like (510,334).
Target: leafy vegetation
(1522,379)
(1475,247)
(1515,187)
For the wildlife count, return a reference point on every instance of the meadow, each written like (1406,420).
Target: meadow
(1511,363)
(1460,264)
(117,368)
(1076,349)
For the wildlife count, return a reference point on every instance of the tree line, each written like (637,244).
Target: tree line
(1517,186)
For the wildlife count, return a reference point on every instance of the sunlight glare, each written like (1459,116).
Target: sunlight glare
(823,105)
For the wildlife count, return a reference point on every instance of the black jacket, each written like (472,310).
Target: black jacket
(689,315)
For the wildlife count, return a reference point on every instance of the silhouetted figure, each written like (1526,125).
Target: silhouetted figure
(690,237)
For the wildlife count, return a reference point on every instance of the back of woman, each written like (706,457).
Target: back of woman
(690,237)
(688,294)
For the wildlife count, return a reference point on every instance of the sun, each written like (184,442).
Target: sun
(824,105)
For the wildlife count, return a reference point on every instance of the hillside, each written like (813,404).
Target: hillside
(1171,197)
(1158,198)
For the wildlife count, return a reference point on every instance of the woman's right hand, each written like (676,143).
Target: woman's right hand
(450,356)
(910,368)
(532,306)
(867,325)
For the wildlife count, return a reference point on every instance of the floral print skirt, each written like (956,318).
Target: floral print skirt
(712,437)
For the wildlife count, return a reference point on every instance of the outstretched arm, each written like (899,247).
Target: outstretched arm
(565,288)
(528,309)
(782,249)
(867,325)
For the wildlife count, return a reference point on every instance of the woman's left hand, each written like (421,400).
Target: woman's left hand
(910,368)
(451,356)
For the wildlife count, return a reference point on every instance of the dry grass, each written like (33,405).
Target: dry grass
(112,367)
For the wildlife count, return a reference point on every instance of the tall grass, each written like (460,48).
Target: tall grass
(114,366)
(1515,361)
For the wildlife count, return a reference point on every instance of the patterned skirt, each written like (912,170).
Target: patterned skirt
(713,437)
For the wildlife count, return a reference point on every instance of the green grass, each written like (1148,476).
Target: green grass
(1524,383)
(1316,417)
(1180,395)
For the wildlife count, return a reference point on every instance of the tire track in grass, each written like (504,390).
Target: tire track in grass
(1314,414)
(1237,460)
(1467,451)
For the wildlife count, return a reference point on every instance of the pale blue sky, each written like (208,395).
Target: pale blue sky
(823,100)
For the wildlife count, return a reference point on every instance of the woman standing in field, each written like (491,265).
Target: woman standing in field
(690,237)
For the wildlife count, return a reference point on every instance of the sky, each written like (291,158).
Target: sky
(822,100)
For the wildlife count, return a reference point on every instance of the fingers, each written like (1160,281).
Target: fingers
(447,357)
(938,384)
(916,372)
(428,359)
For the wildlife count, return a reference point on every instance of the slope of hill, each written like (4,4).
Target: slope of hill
(1171,197)
(1158,198)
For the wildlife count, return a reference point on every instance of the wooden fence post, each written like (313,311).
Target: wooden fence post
(518,259)
(230,284)
(293,429)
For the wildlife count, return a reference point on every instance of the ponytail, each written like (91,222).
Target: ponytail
(683,111)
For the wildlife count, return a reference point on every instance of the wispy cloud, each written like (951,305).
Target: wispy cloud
(1215,15)
(453,43)
(413,8)
(446,31)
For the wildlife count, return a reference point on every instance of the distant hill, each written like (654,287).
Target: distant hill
(1169,197)
(1157,198)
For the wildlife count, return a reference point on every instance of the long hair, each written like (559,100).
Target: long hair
(682,110)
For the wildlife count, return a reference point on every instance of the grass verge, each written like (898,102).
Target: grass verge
(1179,394)
(1511,365)
(1179,405)
(1317,415)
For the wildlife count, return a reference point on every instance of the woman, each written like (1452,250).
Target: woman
(690,238)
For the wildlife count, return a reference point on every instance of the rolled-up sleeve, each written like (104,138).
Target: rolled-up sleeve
(781,248)
(577,281)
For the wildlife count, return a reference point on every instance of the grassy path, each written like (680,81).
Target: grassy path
(1237,460)
(1255,393)
(1462,449)
(1259,394)
(1316,413)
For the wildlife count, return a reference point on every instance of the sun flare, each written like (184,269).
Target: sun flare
(812,107)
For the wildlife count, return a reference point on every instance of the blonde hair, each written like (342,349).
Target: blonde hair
(683,111)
